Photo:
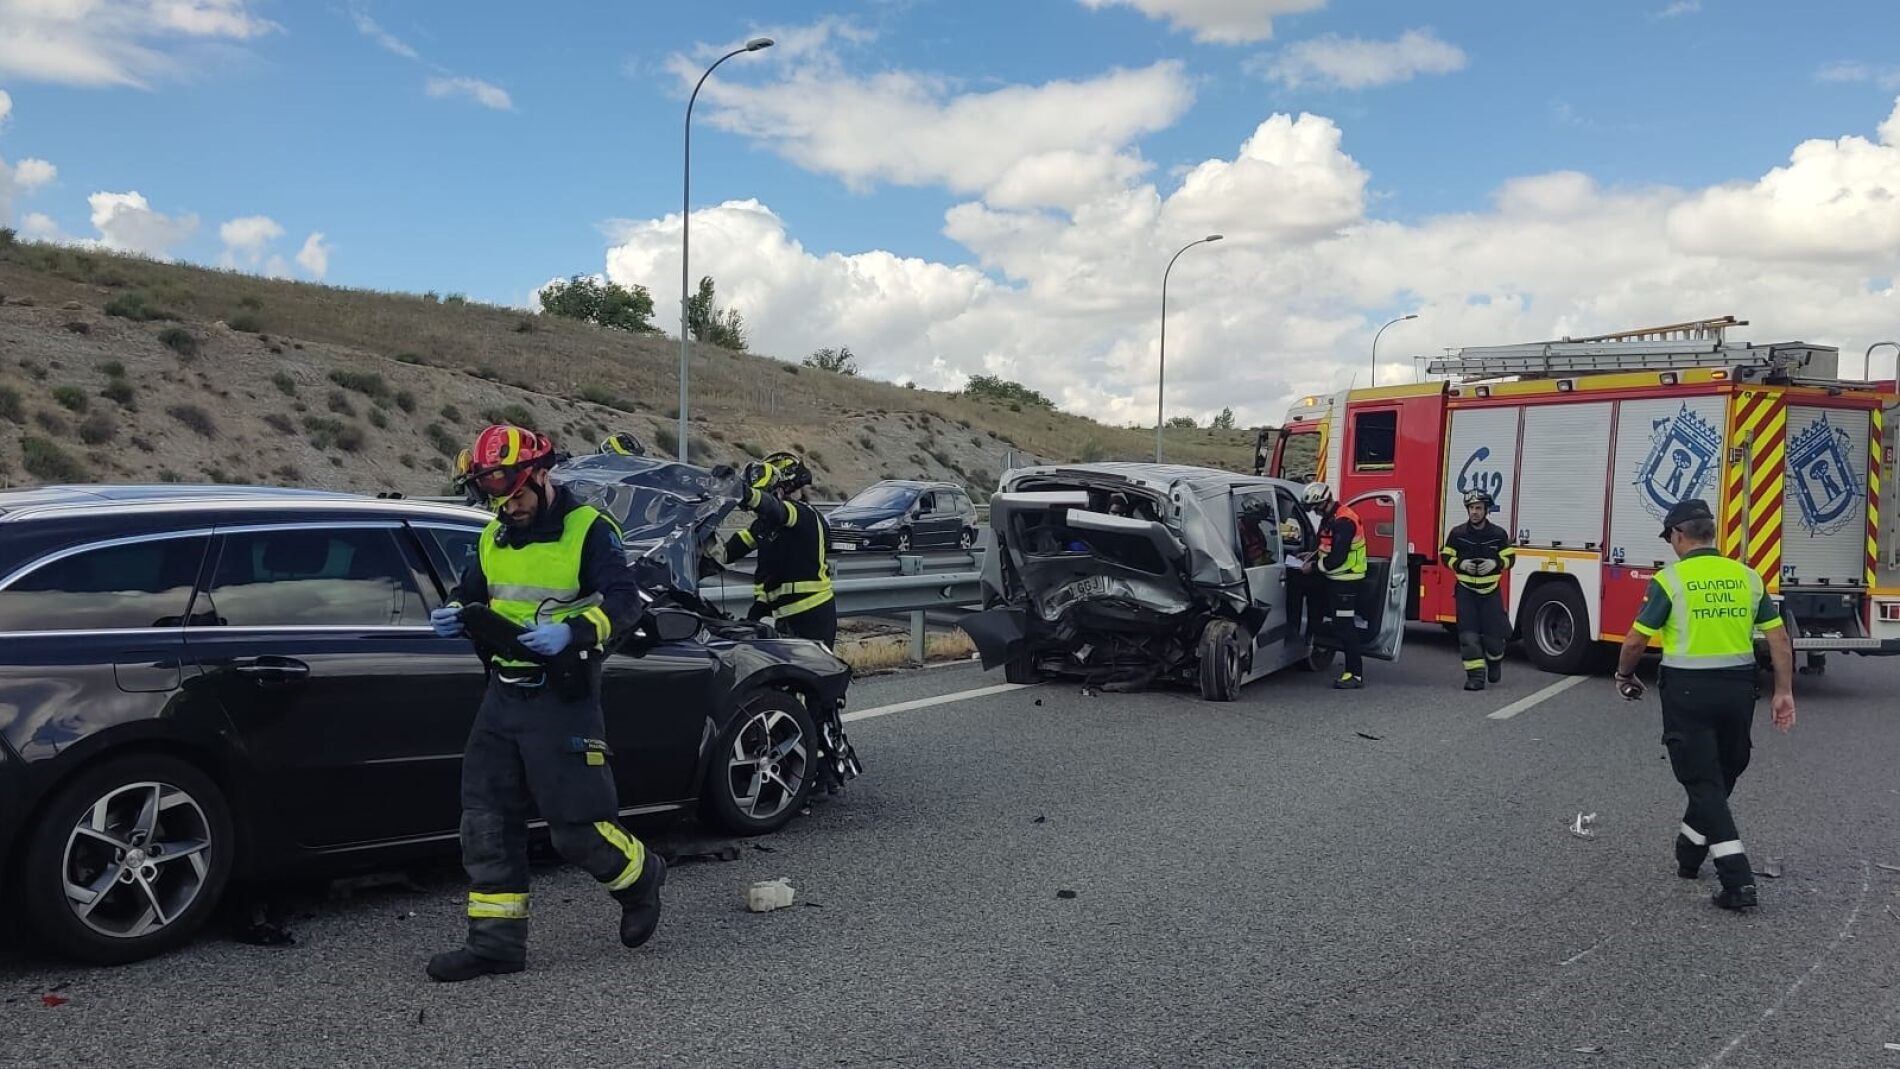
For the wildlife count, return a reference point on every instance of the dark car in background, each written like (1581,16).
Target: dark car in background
(905,514)
(200,685)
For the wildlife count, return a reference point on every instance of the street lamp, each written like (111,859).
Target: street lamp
(1375,346)
(1866,362)
(686,218)
(1161,383)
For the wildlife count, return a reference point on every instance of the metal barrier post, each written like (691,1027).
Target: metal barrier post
(909,564)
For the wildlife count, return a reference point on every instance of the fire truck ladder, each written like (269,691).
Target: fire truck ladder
(1676,347)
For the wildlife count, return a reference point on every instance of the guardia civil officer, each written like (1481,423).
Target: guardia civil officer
(555,567)
(1706,610)
(1479,553)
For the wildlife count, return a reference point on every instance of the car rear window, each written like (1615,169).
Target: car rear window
(313,577)
(138,585)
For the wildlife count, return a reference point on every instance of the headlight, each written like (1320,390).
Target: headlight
(883,525)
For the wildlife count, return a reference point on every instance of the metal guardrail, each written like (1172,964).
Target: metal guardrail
(871,583)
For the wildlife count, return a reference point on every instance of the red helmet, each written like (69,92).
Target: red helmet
(502,458)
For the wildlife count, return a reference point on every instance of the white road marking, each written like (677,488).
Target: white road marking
(1541,696)
(925,703)
(1827,953)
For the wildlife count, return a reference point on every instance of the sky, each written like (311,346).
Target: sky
(977,187)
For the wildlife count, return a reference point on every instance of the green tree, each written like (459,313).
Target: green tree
(842,361)
(1183,423)
(606,304)
(1224,421)
(1003,391)
(710,323)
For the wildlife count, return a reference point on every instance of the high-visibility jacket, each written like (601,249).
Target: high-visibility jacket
(1349,565)
(793,543)
(538,581)
(1707,608)
(1466,543)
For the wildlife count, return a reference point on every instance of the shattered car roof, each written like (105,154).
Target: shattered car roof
(666,510)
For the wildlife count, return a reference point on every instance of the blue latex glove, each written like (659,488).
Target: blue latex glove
(447,621)
(548,639)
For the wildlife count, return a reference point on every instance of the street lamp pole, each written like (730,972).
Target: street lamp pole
(1161,383)
(1375,346)
(686,218)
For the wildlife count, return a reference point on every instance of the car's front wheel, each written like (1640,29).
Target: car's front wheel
(763,766)
(968,539)
(1221,660)
(128,860)
(903,540)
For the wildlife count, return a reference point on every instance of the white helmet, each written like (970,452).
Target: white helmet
(1317,496)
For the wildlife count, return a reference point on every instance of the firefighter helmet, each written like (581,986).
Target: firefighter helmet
(1480,497)
(793,475)
(1317,496)
(504,456)
(624,444)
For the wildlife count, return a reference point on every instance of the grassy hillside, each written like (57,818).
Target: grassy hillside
(120,369)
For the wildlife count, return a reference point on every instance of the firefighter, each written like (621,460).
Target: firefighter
(792,583)
(1478,553)
(1707,609)
(547,564)
(1341,558)
(624,444)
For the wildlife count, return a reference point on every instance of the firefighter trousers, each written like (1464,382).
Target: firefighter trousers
(819,622)
(1483,628)
(529,745)
(1342,597)
(1707,715)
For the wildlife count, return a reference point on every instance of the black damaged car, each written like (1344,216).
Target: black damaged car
(202,685)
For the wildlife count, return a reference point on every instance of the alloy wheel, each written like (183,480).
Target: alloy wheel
(137,860)
(768,765)
(1556,629)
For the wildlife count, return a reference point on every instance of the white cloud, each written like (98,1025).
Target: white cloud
(1680,8)
(389,41)
(1217,21)
(1356,63)
(246,240)
(127,223)
(115,42)
(1851,72)
(22,178)
(1067,302)
(32,173)
(314,257)
(38,226)
(488,96)
(6,105)
(913,129)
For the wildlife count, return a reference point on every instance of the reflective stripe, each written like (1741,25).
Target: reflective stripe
(1481,584)
(791,514)
(630,848)
(1344,614)
(809,586)
(751,540)
(504,905)
(1727,849)
(1472,666)
(1694,836)
(1494,657)
(533,595)
(803,605)
(603,626)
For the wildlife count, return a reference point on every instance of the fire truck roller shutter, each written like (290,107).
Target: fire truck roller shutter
(1560,490)
(1824,508)
(1481,455)
(1667,449)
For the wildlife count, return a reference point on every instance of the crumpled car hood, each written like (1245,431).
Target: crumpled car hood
(666,510)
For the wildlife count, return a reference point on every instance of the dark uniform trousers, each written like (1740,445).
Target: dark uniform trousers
(1483,625)
(1707,716)
(528,744)
(1343,598)
(819,623)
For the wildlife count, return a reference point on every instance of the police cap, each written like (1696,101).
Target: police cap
(1693,508)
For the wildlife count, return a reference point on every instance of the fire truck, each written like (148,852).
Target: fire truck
(1585,443)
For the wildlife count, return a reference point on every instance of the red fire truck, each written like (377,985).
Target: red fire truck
(1586,443)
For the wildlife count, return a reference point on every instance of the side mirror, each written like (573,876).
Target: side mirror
(674,625)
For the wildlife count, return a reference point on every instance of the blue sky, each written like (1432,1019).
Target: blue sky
(306,113)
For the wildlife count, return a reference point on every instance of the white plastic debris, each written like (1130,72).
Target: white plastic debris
(1584,827)
(768,895)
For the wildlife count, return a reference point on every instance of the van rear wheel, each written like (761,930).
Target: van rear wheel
(1556,627)
(1221,661)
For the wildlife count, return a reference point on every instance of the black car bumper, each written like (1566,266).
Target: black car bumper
(860,539)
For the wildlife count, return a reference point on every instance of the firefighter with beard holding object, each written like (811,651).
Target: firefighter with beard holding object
(550,565)
(792,583)
(1706,609)
(1479,553)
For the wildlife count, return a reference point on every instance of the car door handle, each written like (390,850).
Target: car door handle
(272,669)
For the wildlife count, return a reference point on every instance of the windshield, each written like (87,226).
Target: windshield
(884,497)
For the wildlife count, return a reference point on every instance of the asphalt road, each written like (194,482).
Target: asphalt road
(1255,884)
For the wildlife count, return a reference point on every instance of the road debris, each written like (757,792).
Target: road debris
(703,852)
(1771,869)
(1040,819)
(1038,701)
(1893,1046)
(1587,1050)
(1584,826)
(54,1000)
(767,895)
(422,1015)
(1889,868)
(1065,893)
(1374,738)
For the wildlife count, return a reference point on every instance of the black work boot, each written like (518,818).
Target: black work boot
(1689,857)
(1474,679)
(1348,681)
(454,966)
(1738,898)
(1494,669)
(640,903)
